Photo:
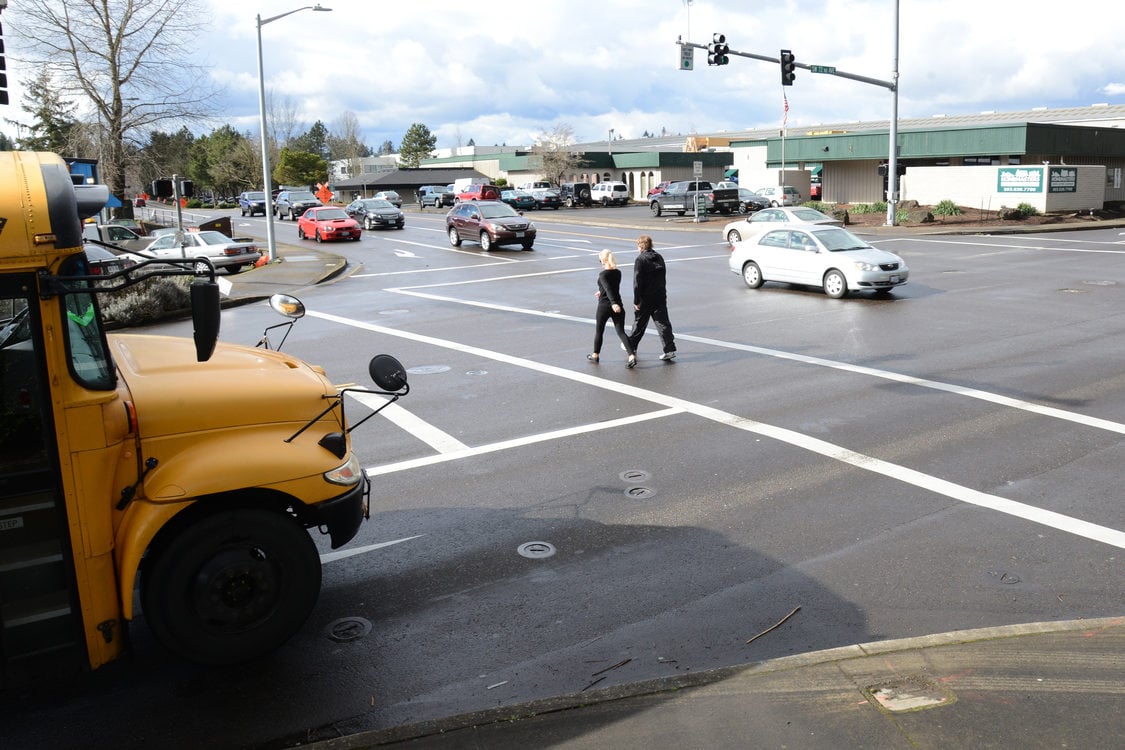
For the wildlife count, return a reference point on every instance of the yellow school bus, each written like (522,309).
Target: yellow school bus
(188,472)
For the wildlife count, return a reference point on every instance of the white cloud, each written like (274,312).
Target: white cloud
(503,71)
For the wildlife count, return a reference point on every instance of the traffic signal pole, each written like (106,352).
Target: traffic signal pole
(892,86)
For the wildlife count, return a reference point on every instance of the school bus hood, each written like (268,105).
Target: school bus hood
(239,386)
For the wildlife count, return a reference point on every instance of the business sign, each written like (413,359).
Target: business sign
(1019,180)
(1062,180)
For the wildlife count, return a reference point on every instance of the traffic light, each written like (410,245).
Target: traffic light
(187,188)
(717,50)
(788,68)
(162,188)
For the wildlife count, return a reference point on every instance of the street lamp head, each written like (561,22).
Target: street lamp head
(318,6)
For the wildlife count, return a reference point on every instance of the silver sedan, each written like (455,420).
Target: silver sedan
(816,255)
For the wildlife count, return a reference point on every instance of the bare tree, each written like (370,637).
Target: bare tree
(346,140)
(127,62)
(554,154)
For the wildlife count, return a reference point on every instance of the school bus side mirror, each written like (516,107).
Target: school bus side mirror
(205,315)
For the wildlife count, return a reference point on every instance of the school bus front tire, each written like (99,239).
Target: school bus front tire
(230,586)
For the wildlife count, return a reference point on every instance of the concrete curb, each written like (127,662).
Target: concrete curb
(571,701)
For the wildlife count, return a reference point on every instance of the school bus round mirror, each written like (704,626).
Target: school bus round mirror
(288,305)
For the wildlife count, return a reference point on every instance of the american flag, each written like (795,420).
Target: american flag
(784,110)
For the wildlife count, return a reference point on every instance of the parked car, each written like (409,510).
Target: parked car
(435,195)
(492,223)
(610,193)
(817,255)
(799,215)
(223,252)
(659,187)
(371,213)
(115,234)
(293,203)
(536,185)
(784,195)
(726,185)
(575,194)
(545,198)
(479,192)
(327,223)
(252,202)
(521,200)
(103,262)
(390,196)
(749,201)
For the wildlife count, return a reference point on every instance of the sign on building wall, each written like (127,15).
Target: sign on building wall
(1062,180)
(1019,180)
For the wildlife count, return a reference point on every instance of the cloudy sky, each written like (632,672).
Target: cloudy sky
(501,72)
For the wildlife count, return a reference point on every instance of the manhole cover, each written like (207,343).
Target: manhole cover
(477,372)
(639,493)
(634,475)
(393,312)
(428,369)
(536,550)
(348,629)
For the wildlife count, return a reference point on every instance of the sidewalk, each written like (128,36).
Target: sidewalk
(1042,685)
(1037,685)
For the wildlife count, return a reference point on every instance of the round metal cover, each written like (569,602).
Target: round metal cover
(428,369)
(639,493)
(476,372)
(536,550)
(348,629)
(634,475)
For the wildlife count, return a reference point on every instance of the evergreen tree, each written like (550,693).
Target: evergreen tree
(54,125)
(417,144)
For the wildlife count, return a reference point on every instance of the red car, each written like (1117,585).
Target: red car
(327,223)
(482,192)
(660,188)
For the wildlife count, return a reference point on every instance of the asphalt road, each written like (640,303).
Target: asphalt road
(944,458)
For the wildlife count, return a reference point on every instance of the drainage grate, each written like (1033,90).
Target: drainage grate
(634,475)
(639,493)
(536,550)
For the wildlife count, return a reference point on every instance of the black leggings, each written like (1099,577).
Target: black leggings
(604,314)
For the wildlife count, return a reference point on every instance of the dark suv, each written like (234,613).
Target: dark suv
(252,202)
(293,203)
(575,194)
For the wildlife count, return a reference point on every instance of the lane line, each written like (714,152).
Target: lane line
(918,479)
(328,557)
(437,439)
(503,445)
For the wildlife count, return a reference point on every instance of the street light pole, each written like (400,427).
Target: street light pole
(271,242)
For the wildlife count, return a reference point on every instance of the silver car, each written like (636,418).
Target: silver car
(816,255)
(223,252)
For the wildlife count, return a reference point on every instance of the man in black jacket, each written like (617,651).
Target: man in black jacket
(650,297)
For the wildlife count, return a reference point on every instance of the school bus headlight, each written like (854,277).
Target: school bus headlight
(348,474)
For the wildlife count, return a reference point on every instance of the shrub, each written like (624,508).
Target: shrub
(947,208)
(147,302)
(1026,209)
(869,208)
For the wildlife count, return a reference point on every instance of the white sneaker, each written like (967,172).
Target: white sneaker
(667,356)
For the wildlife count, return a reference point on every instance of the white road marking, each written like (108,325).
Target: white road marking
(353,551)
(542,437)
(437,439)
(1047,518)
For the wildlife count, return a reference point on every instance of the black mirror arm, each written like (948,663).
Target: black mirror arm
(338,400)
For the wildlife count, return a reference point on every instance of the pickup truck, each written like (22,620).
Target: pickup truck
(117,235)
(680,197)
